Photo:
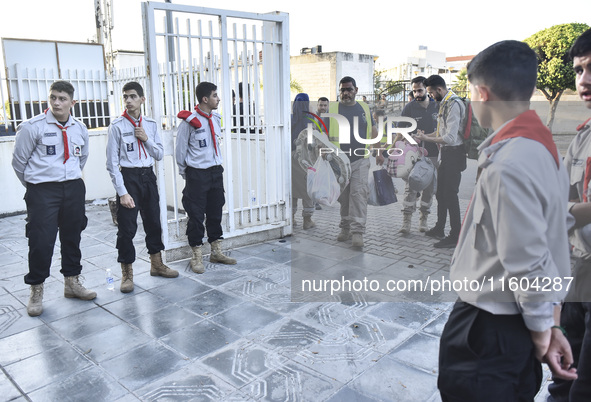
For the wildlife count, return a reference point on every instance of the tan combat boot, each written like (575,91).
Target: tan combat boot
(73,289)
(406,223)
(126,278)
(217,256)
(344,235)
(423,222)
(308,223)
(197,260)
(35,306)
(157,267)
(357,240)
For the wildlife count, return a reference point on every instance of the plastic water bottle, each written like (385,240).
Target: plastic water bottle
(110,280)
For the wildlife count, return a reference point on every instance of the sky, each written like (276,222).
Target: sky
(391,29)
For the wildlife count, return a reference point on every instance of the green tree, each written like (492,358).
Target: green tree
(461,82)
(555,73)
(383,86)
(294,85)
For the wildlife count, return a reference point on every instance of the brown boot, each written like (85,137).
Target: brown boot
(357,240)
(423,227)
(308,223)
(406,222)
(217,256)
(126,278)
(73,289)
(344,235)
(197,260)
(158,268)
(35,306)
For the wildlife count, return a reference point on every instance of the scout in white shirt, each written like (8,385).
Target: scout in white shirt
(514,236)
(50,151)
(132,147)
(199,158)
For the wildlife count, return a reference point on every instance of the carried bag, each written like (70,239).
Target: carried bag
(372,198)
(322,184)
(384,187)
(421,175)
(400,165)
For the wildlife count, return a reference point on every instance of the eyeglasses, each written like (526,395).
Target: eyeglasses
(346,89)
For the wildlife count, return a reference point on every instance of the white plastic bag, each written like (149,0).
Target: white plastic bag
(323,186)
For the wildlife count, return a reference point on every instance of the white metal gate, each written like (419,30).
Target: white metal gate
(186,45)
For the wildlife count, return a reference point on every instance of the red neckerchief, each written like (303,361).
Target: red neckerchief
(528,125)
(208,117)
(140,145)
(582,125)
(65,137)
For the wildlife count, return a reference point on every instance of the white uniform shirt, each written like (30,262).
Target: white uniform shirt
(38,155)
(449,121)
(124,151)
(575,160)
(194,146)
(515,226)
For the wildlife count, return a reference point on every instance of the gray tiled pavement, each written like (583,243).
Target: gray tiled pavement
(233,333)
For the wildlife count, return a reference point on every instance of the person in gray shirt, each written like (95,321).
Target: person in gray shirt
(199,159)
(50,152)
(132,147)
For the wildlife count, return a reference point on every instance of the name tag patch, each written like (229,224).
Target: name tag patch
(50,149)
(201,130)
(127,134)
(130,147)
(202,144)
(50,134)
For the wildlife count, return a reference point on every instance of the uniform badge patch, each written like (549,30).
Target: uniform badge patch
(130,147)
(50,149)
(202,144)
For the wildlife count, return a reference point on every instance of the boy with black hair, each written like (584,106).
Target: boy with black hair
(50,152)
(199,159)
(514,232)
(132,147)
(576,312)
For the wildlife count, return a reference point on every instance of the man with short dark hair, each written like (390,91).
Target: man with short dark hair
(448,135)
(132,147)
(514,232)
(199,159)
(424,111)
(50,151)
(576,311)
(353,199)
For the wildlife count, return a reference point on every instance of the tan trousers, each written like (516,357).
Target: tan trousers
(353,199)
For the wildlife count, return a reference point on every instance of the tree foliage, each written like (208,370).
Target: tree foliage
(460,85)
(294,85)
(384,86)
(555,73)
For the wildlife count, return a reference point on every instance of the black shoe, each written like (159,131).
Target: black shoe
(448,242)
(318,207)
(435,233)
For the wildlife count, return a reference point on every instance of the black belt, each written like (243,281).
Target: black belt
(137,170)
(452,147)
(216,167)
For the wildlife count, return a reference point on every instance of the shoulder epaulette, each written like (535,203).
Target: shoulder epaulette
(582,125)
(189,118)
